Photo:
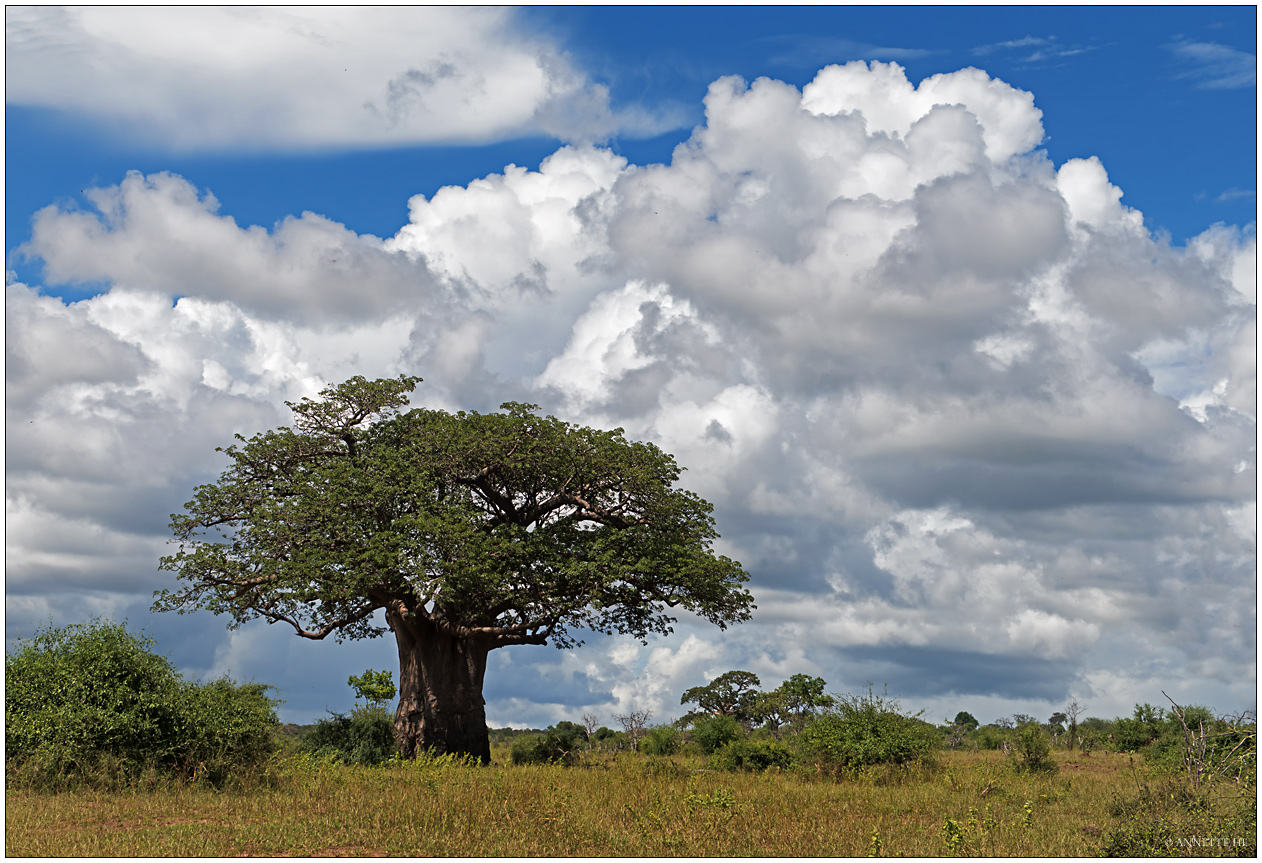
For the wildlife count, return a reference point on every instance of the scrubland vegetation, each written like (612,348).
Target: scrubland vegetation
(120,757)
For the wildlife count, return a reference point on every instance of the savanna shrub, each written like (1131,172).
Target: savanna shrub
(559,744)
(866,729)
(365,736)
(992,737)
(752,756)
(712,732)
(91,704)
(661,740)
(1175,819)
(1033,752)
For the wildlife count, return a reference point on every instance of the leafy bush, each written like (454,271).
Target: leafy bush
(1174,819)
(661,740)
(864,730)
(91,704)
(560,744)
(750,756)
(365,736)
(992,737)
(1033,752)
(712,732)
(375,687)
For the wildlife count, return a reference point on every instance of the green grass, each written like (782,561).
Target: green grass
(626,805)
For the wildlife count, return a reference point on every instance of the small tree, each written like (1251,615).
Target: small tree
(1033,752)
(769,710)
(1072,711)
(965,720)
(375,687)
(730,694)
(794,702)
(633,724)
(471,532)
(803,698)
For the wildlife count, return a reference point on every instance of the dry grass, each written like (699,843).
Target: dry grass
(629,806)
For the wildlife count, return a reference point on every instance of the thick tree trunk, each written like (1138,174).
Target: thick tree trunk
(440,690)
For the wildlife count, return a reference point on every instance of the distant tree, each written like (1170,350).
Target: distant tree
(1056,724)
(591,722)
(375,687)
(729,694)
(804,697)
(1072,711)
(633,724)
(965,719)
(471,532)
(769,710)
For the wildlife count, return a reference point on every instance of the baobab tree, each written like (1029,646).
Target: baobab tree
(469,531)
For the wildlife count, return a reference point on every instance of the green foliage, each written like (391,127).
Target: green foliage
(993,737)
(966,719)
(559,744)
(661,740)
(795,702)
(364,736)
(803,697)
(752,756)
(865,730)
(523,526)
(730,694)
(1033,752)
(92,704)
(712,732)
(375,687)
(1175,820)
(603,733)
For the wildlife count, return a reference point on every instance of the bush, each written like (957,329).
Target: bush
(661,740)
(750,756)
(560,744)
(1033,752)
(1174,819)
(91,704)
(992,737)
(864,730)
(713,732)
(365,736)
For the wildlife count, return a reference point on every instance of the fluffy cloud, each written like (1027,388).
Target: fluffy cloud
(196,78)
(971,428)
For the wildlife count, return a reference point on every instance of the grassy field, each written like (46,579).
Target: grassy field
(628,805)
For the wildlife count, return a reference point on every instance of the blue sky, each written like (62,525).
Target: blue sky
(987,401)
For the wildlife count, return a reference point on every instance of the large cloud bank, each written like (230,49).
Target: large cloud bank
(200,78)
(974,431)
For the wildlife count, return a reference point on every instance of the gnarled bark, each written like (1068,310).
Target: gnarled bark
(440,688)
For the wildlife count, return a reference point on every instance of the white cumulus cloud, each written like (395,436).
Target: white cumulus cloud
(257,78)
(972,429)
